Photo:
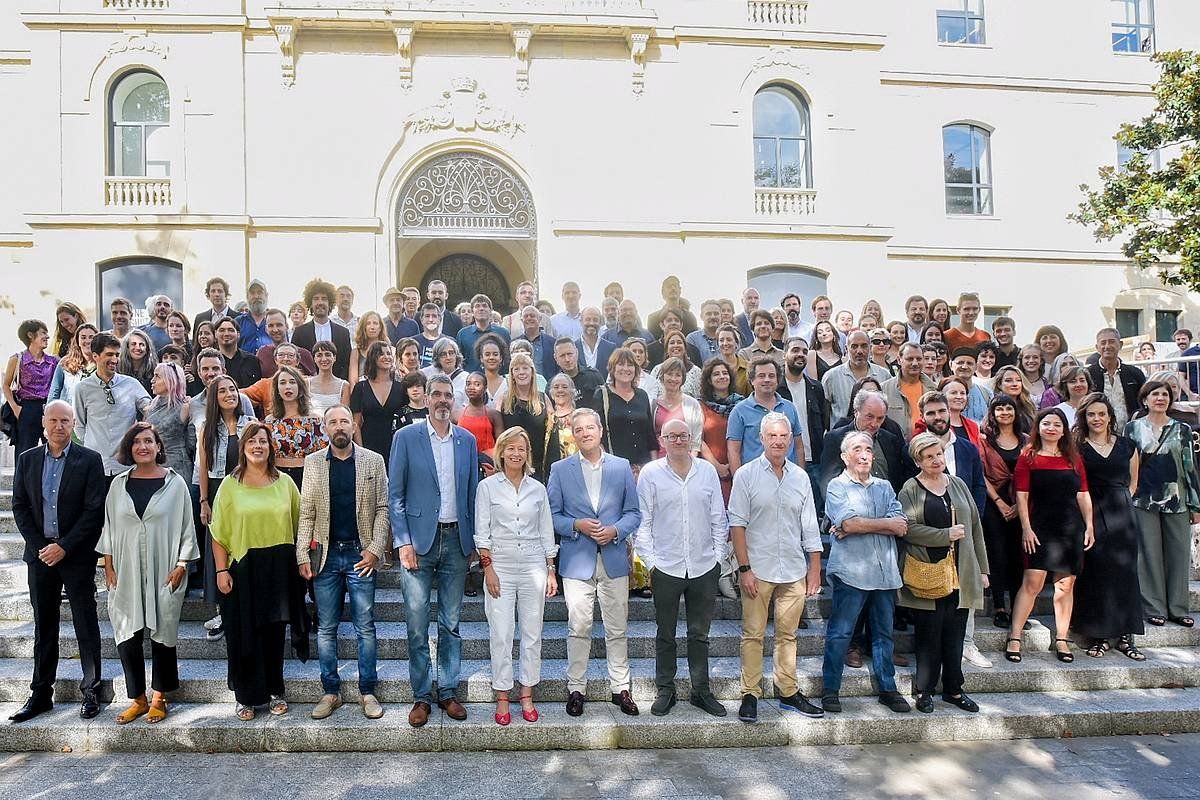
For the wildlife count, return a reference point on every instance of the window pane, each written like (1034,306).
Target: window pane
(766,171)
(1129,322)
(952,29)
(956,146)
(1124,11)
(791,164)
(975,7)
(985,202)
(147,103)
(982,165)
(129,155)
(158,157)
(975,31)
(777,113)
(136,282)
(1125,40)
(960,200)
(1165,323)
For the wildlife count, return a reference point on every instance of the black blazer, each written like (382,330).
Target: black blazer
(451,324)
(816,420)
(80,504)
(306,336)
(900,467)
(1132,379)
(206,316)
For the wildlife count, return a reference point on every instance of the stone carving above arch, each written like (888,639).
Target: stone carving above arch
(132,48)
(463,107)
(775,57)
(465,194)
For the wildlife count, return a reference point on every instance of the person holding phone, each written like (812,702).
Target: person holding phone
(343,535)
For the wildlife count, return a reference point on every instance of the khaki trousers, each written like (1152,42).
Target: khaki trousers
(789,607)
(581,596)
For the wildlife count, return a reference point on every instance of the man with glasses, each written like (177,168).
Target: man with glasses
(106,405)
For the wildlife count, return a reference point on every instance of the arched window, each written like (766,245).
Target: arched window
(135,279)
(139,113)
(782,157)
(967,152)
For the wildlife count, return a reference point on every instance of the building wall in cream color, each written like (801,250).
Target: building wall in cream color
(285,178)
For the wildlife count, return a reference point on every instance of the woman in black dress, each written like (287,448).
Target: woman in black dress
(626,412)
(1001,438)
(1055,510)
(376,400)
(1107,594)
(524,406)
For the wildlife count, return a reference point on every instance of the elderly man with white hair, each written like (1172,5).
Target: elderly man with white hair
(158,308)
(683,539)
(773,524)
(864,516)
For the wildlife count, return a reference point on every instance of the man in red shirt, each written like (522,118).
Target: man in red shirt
(966,334)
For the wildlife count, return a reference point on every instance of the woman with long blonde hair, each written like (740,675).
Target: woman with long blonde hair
(370,329)
(523,405)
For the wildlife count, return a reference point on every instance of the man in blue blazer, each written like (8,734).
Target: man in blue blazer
(434,469)
(594,502)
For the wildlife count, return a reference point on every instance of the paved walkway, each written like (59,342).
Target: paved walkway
(1085,769)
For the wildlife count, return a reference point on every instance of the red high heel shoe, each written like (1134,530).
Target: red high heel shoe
(505,718)
(528,714)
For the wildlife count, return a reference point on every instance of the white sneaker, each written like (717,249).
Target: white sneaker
(972,656)
(213,623)
(725,587)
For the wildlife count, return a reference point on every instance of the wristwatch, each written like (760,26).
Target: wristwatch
(743,568)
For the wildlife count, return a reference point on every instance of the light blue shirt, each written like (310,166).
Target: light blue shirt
(443,461)
(745,420)
(567,324)
(866,561)
(52,470)
(977,403)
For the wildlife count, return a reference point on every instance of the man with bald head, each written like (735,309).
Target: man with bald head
(58,504)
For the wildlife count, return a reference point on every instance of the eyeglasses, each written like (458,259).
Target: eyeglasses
(878,342)
(675,437)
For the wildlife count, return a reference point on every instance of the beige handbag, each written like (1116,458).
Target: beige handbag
(931,580)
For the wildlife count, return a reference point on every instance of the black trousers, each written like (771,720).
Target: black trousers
(46,585)
(699,595)
(29,425)
(164,675)
(939,644)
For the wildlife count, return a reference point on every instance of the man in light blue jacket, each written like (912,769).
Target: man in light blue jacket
(594,501)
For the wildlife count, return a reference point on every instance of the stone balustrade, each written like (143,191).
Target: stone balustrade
(777,12)
(773,202)
(123,192)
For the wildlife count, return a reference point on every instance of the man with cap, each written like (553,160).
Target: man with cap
(398,325)
(252,324)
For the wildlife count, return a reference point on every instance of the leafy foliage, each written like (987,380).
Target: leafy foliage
(1157,207)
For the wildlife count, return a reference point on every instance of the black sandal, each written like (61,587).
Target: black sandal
(1186,622)
(1066,657)
(1013,655)
(1098,649)
(1126,647)
(1157,621)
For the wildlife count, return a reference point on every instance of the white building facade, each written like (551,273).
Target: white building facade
(857,148)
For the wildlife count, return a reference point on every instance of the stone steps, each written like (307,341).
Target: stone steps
(205,727)
(204,681)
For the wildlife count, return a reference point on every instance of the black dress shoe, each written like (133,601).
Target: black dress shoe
(575,704)
(748,711)
(925,703)
(963,702)
(33,706)
(663,703)
(831,703)
(624,701)
(708,704)
(798,702)
(90,706)
(895,701)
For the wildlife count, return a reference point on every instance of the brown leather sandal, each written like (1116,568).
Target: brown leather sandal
(158,710)
(135,710)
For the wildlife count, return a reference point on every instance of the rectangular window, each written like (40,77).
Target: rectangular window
(1129,322)
(985,319)
(766,164)
(962,24)
(1132,26)
(1126,154)
(1165,325)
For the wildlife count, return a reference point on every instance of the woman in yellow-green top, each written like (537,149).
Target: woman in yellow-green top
(254,522)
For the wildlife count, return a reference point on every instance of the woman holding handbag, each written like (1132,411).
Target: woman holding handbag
(945,571)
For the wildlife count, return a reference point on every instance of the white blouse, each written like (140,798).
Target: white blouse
(514,523)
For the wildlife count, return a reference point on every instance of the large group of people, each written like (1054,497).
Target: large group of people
(262,458)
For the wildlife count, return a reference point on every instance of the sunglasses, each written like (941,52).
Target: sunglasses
(879,341)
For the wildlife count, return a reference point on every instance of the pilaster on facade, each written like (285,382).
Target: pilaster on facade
(404,39)
(637,41)
(521,36)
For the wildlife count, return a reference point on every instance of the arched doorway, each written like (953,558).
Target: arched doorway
(467,218)
(467,275)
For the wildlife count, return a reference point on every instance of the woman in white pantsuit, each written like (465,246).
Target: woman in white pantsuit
(514,534)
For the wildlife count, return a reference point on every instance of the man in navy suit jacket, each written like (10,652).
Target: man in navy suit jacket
(594,502)
(433,472)
(592,343)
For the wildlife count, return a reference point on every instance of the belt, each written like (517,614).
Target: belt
(347,543)
(447,525)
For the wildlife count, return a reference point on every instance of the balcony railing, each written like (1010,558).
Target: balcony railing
(121,192)
(777,12)
(781,202)
(137,4)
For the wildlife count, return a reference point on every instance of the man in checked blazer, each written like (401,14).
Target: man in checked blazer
(344,533)
(594,502)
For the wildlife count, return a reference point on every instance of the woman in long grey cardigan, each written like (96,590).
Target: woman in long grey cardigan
(941,512)
(149,539)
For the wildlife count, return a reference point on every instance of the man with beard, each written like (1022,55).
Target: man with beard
(917,311)
(705,339)
(344,509)
(345,310)
(609,307)
(672,294)
(160,308)
(809,399)
(252,324)
(433,476)
(594,349)
(239,365)
(796,326)
(318,296)
(963,462)
(277,330)
(216,291)
(436,293)
(526,296)
(628,325)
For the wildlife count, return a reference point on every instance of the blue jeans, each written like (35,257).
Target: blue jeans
(847,603)
(446,565)
(337,576)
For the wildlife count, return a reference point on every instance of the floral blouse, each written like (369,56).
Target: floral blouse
(297,437)
(1166,476)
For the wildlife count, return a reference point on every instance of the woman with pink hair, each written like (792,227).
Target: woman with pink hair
(170,413)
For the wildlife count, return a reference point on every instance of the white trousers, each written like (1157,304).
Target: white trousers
(520,607)
(581,596)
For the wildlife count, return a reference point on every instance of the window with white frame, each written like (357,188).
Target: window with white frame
(1132,26)
(782,152)
(961,22)
(966,152)
(139,118)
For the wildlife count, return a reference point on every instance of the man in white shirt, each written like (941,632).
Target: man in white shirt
(683,538)
(568,322)
(345,315)
(773,524)
(795,325)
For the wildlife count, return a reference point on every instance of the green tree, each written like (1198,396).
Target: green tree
(1157,207)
